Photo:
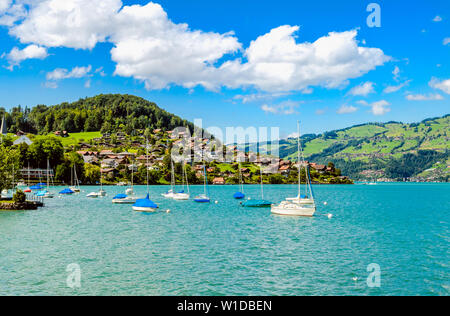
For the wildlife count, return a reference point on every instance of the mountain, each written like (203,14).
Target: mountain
(106,113)
(381,150)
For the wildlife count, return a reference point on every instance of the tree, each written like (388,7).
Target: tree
(91,174)
(9,167)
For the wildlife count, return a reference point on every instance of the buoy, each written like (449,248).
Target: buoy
(330,216)
(325,203)
(355,279)
(168,211)
(217,202)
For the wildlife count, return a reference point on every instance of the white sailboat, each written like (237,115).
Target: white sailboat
(171,193)
(101,192)
(75,185)
(46,194)
(183,196)
(129,196)
(302,205)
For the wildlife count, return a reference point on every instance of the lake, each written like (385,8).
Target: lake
(224,249)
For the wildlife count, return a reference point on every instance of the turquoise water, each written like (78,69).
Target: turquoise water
(223,249)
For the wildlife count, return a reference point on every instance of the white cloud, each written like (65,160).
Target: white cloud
(254,97)
(346,109)
(4,5)
(396,73)
(276,62)
(16,56)
(283,108)
(149,47)
(380,107)
(61,73)
(424,97)
(87,84)
(79,24)
(443,85)
(392,89)
(363,89)
(446,41)
(51,85)
(437,19)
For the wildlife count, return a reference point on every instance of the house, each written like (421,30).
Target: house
(285,170)
(109,163)
(219,181)
(211,170)
(23,140)
(90,159)
(106,153)
(319,168)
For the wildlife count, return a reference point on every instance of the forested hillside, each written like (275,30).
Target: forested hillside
(392,150)
(106,113)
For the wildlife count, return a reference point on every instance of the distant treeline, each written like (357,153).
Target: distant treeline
(106,113)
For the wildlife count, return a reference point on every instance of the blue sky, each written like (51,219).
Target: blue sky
(279,64)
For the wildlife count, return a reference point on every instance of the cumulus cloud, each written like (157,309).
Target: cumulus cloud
(61,73)
(443,85)
(276,62)
(79,24)
(4,5)
(380,107)
(446,41)
(151,48)
(16,56)
(437,19)
(396,73)
(363,89)
(377,108)
(392,89)
(424,97)
(347,109)
(283,108)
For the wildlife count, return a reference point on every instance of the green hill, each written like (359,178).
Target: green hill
(392,150)
(106,113)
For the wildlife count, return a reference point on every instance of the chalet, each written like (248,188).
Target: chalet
(285,170)
(84,146)
(106,153)
(319,168)
(110,163)
(219,181)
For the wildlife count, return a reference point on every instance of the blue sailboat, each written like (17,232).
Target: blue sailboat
(240,195)
(145,205)
(66,192)
(258,203)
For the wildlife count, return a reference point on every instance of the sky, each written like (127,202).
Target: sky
(234,63)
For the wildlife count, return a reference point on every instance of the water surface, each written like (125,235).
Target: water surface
(223,249)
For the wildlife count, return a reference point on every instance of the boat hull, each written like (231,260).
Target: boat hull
(297,211)
(144,209)
(181,197)
(124,201)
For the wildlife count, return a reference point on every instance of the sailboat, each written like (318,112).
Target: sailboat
(258,203)
(46,194)
(182,196)
(204,198)
(171,192)
(101,192)
(302,205)
(75,188)
(240,195)
(128,197)
(145,205)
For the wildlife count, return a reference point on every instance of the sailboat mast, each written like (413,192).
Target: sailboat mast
(48,174)
(262,183)
(146,146)
(299,162)
(206,178)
